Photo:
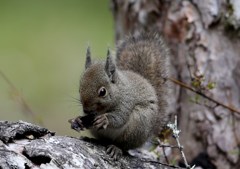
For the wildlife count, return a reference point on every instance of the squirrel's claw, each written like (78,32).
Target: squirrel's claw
(76,124)
(101,121)
(114,152)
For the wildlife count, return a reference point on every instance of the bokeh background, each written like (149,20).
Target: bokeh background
(42,53)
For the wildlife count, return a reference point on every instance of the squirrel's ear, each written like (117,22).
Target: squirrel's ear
(88,58)
(110,68)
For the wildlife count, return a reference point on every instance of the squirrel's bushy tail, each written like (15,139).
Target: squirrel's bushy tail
(148,55)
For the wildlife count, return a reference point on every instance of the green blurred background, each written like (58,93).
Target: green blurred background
(42,53)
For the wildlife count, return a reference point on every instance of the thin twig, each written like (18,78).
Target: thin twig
(163,148)
(26,108)
(176,132)
(165,155)
(166,145)
(218,103)
(157,162)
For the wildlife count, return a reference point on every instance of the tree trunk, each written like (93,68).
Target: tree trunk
(24,145)
(204,37)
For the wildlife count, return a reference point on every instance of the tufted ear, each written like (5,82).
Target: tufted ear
(110,68)
(88,58)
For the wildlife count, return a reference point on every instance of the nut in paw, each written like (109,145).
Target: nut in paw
(81,122)
(76,123)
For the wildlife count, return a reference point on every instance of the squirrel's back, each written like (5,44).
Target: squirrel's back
(147,55)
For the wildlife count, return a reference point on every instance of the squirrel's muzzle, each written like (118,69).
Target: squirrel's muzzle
(88,111)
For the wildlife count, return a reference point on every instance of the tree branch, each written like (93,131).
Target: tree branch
(17,96)
(232,109)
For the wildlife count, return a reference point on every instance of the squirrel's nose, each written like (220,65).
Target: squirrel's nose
(87,111)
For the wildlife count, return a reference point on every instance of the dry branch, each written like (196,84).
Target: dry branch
(218,103)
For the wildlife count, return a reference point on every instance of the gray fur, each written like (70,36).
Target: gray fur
(135,106)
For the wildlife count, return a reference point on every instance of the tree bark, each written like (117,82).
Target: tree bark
(204,37)
(24,145)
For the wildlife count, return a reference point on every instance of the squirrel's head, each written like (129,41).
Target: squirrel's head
(97,85)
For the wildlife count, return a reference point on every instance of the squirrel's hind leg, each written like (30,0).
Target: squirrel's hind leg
(139,129)
(114,152)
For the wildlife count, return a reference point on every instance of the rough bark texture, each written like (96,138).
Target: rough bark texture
(24,145)
(204,37)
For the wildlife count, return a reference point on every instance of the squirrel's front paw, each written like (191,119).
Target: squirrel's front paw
(101,121)
(114,152)
(76,123)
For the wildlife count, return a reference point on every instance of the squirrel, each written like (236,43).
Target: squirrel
(126,98)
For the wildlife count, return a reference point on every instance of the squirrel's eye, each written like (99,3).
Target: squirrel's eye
(102,92)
